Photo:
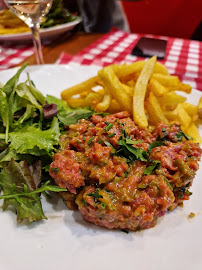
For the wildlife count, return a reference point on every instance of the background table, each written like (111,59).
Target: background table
(71,45)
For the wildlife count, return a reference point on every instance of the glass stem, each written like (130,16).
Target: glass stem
(37,43)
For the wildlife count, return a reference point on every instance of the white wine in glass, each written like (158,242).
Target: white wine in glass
(31,12)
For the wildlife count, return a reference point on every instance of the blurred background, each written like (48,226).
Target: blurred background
(175,18)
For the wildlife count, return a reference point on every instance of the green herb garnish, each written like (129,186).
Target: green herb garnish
(181,134)
(90,140)
(103,205)
(131,153)
(108,127)
(151,168)
(113,150)
(111,135)
(95,195)
(54,169)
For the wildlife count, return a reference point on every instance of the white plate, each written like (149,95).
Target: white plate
(65,241)
(44,33)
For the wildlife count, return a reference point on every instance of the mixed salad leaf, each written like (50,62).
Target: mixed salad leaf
(57,15)
(30,129)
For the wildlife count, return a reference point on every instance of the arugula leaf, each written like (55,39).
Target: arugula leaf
(11,84)
(8,154)
(4,112)
(35,92)
(61,104)
(152,167)
(30,110)
(30,140)
(3,146)
(68,117)
(12,180)
(23,90)
(19,182)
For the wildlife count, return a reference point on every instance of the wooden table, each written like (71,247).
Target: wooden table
(71,44)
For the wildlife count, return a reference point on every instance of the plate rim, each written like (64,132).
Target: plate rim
(71,65)
(42,31)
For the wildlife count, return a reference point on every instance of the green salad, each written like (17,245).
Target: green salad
(30,129)
(57,15)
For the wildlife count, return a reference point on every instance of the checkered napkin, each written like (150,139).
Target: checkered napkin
(183,57)
(12,55)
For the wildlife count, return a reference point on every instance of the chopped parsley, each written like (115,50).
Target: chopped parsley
(180,136)
(151,168)
(159,141)
(95,195)
(54,169)
(155,144)
(129,152)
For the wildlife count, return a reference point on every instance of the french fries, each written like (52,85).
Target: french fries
(140,91)
(115,88)
(11,24)
(145,89)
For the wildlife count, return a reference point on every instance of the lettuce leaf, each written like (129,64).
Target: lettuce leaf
(66,115)
(13,179)
(31,139)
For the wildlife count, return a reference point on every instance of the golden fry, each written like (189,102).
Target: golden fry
(114,106)
(170,100)
(154,110)
(115,88)
(183,117)
(190,108)
(104,104)
(140,91)
(171,115)
(167,80)
(193,132)
(11,24)
(128,89)
(157,88)
(136,67)
(143,88)
(183,87)
(79,88)
(200,108)
(76,102)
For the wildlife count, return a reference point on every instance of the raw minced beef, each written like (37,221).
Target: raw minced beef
(121,176)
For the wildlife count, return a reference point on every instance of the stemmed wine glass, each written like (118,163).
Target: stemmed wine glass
(31,12)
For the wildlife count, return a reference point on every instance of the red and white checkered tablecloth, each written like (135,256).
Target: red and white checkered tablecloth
(183,57)
(12,55)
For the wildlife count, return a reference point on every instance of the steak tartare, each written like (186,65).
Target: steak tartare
(121,176)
